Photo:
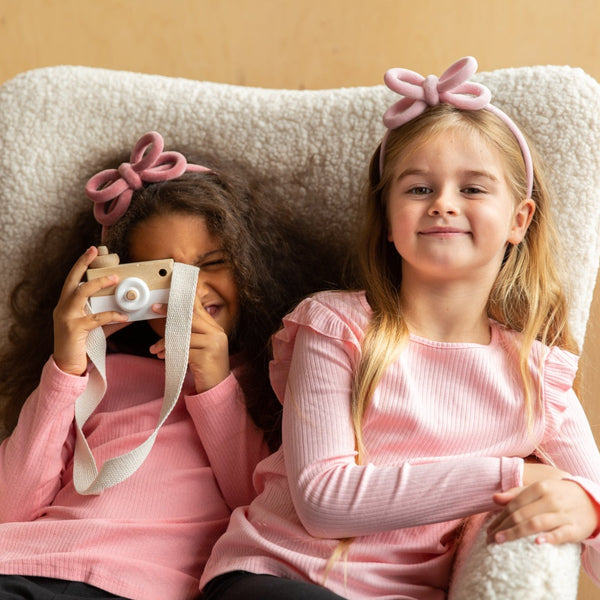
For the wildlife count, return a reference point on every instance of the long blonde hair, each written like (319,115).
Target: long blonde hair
(527,295)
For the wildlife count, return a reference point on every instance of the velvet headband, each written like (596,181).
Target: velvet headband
(451,88)
(111,190)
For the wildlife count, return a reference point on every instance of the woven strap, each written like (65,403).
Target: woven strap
(86,478)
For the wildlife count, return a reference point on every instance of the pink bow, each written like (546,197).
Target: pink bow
(111,189)
(420,92)
(454,88)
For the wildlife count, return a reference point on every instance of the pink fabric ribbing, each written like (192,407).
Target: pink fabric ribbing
(149,537)
(445,430)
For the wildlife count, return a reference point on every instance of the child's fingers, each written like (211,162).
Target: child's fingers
(563,534)
(86,289)
(158,348)
(71,304)
(79,268)
(503,498)
(559,510)
(525,522)
(160,309)
(519,507)
(76,287)
(105,319)
(201,320)
(70,338)
(551,527)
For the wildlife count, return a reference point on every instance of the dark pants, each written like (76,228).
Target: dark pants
(16,587)
(239,585)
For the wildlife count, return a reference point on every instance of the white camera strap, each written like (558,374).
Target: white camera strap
(86,477)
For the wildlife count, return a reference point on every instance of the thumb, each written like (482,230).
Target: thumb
(503,498)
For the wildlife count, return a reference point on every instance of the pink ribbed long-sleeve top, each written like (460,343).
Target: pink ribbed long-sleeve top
(147,538)
(445,430)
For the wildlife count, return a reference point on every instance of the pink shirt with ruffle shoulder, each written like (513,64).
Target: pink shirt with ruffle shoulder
(446,429)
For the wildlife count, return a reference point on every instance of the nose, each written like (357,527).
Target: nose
(443,203)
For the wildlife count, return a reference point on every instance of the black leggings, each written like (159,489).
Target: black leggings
(240,585)
(16,587)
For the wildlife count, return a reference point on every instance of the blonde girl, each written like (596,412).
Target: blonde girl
(442,389)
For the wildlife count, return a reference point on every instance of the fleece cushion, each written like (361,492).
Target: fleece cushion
(517,570)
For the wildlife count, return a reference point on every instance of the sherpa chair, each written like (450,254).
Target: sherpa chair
(58,125)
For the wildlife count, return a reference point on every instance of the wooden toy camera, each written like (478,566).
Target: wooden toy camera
(140,285)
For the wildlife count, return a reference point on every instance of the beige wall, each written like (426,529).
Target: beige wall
(296,43)
(309,44)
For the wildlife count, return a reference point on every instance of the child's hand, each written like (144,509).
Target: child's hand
(71,323)
(209,348)
(559,510)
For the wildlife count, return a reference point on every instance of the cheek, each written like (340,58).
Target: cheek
(391,223)
(227,289)
(400,223)
(233,301)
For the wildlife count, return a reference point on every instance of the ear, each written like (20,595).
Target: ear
(521,220)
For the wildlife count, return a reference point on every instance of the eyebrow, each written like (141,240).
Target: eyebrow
(202,257)
(467,173)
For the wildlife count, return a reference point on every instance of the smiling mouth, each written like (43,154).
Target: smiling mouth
(443,232)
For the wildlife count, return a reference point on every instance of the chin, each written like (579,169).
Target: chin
(158,326)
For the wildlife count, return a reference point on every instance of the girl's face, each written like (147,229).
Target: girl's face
(186,239)
(450,211)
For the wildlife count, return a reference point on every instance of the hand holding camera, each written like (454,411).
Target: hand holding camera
(72,322)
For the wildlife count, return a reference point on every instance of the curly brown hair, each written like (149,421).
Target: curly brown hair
(276,258)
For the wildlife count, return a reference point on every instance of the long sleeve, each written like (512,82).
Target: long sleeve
(164,519)
(233,443)
(570,443)
(335,497)
(33,458)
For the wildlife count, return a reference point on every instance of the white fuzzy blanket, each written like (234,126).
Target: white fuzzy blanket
(59,125)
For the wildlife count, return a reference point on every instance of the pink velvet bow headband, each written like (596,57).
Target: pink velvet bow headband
(451,88)
(111,190)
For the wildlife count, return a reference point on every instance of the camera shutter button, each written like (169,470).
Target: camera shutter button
(132,294)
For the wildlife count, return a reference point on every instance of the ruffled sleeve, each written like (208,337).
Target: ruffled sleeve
(331,314)
(568,439)
(559,370)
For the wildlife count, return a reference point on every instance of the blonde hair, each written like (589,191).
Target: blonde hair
(527,295)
